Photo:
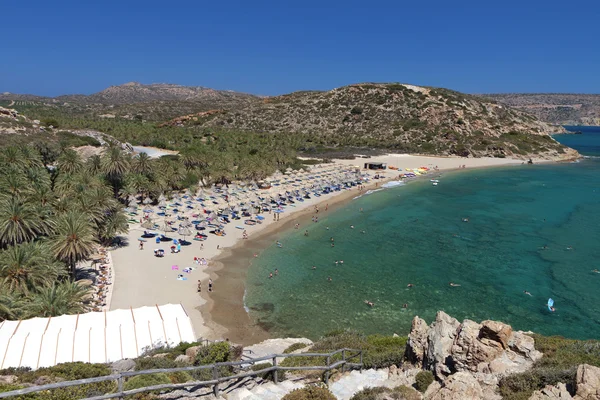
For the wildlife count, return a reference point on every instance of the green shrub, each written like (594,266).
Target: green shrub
(294,347)
(141,381)
(66,371)
(423,380)
(371,393)
(268,375)
(405,393)
(180,377)
(559,364)
(310,393)
(213,353)
(378,351)
(155,363)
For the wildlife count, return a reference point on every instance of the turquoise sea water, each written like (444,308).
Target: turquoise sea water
(415,234)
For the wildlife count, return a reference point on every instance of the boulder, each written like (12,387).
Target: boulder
(523,344)
(588,383)
(192,352)
(416,346)
(460,386)
(551,392)
(123,366)
(8,379)
(473,346)
(494,332)
(161,355)
(439,344)
(183,359)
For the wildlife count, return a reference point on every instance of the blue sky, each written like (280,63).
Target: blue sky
(274,47)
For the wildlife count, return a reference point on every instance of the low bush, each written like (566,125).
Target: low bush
(155,363)
(180,377)
(294,347)
(213,353)
(310,393)
(559,364)
(378,351)
(268,375)
(141,381)
(423,380)
(65,372)
(372,393)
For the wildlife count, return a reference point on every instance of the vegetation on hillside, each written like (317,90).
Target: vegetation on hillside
(393,117)
(559,364)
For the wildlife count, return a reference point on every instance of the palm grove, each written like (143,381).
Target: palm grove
(56,207)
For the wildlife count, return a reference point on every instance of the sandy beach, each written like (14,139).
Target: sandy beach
(141,279)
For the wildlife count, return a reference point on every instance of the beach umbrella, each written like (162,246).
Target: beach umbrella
(148,210)
(166,227)
(147,200)
(132,203)
(185,231)
(130,210)
(148,224)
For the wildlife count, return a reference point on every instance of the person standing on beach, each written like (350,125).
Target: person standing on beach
(199,286)
(210,285)
(201,246)
(141,245)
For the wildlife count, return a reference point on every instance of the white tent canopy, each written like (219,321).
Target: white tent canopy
(96,337)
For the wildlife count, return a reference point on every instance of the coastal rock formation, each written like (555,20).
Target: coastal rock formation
(460,386)
(552,392)
(489,349)
(588,383)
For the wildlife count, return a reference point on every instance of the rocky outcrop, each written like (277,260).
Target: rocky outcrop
(490,349)
(417,342)
(588,383)
(440,341)
(460,386)
(552,392)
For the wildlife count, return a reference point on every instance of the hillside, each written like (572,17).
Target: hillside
(560,109)
(134,92)
(394,116)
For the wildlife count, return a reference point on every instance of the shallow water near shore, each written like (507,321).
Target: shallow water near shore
(414,234)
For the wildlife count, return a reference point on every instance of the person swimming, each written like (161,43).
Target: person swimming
(405,305)
(596,271)
(569,247)
(454,284)
(465,219)
(351,226)
(369,303)
(363,232)
(329,279)
(410,285)
(314,267)
(279,244)
(526,292)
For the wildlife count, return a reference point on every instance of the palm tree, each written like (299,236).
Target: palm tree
(19,222)
(94,164)
(74,239)
(115,164)
(28,266)
(111,225)
(12,305)
(142,164)
(59,299)
(69,162)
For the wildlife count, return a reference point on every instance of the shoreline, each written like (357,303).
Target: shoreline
(225,312)
(140,279)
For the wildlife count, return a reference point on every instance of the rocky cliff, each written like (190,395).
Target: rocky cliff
(555,108)
(397,116)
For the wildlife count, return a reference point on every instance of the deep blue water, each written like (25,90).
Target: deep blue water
(415,234)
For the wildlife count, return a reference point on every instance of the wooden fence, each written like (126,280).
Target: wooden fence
(243,366)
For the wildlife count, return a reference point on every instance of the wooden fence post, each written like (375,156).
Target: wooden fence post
(344,360)
(361,361)
(276,372)
(327,371)
(215,377)
(120,386)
